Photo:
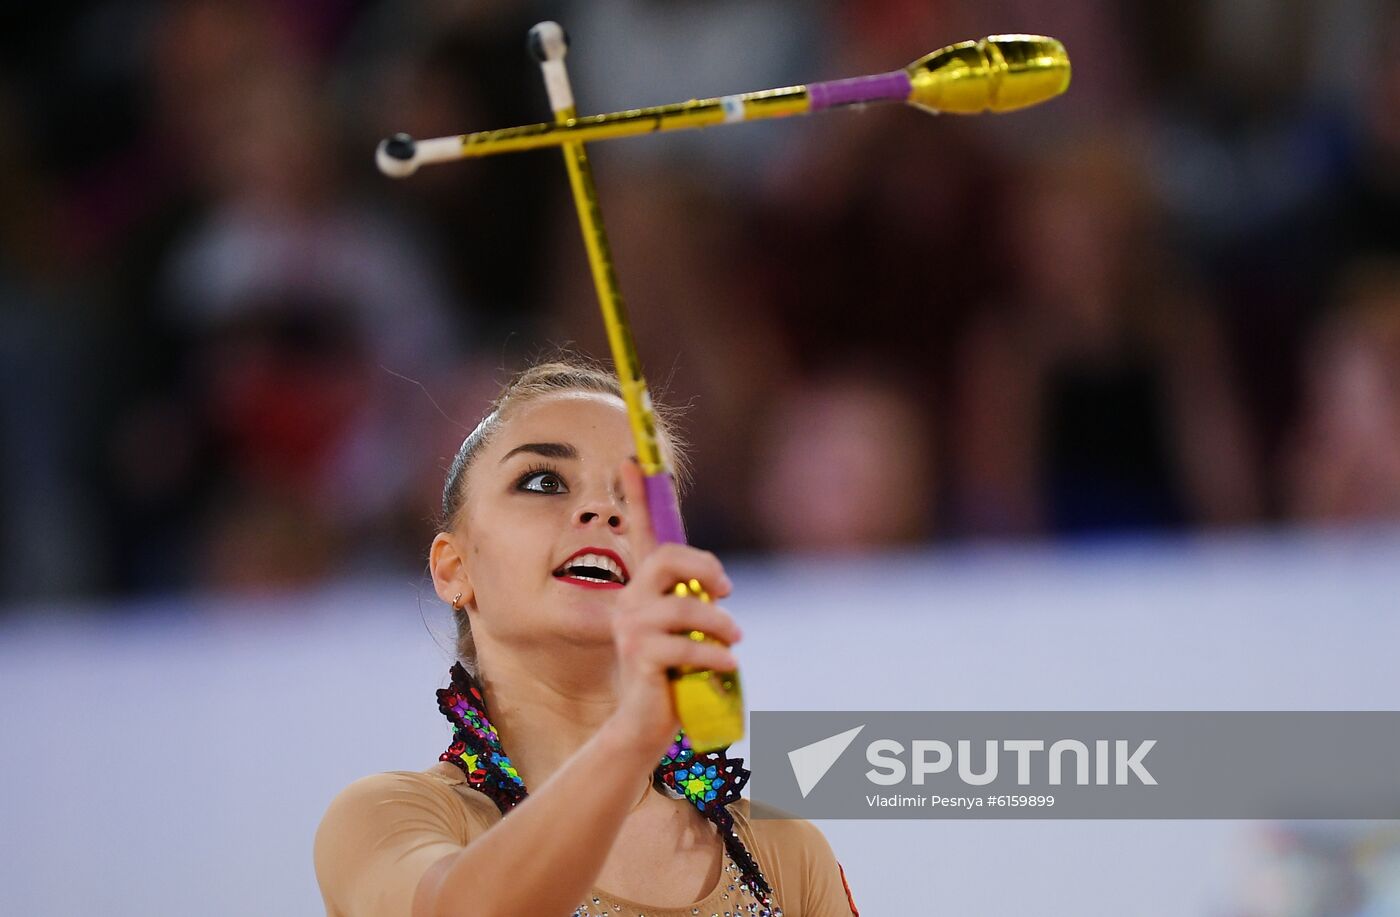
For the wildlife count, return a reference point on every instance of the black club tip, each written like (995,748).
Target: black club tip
(401,146)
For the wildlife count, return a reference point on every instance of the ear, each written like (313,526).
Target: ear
(447,562)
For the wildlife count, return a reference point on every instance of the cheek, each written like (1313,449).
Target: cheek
(497,575)
(510,550)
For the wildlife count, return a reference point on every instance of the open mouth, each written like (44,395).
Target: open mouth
(595,567)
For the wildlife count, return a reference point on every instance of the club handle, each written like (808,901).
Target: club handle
(664,508)
(709,704)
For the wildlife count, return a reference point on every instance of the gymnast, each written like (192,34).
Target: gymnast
(568,626)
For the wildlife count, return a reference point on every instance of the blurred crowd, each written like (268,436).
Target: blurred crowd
(1310,869)
(235,357)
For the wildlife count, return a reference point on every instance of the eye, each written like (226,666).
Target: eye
(542,481)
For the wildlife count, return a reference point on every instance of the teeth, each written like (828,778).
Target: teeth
(601,562)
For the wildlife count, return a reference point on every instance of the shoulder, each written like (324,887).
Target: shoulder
(378,815)
(440,786)
(373,807)
(434,798)
(785,833)
(382,832)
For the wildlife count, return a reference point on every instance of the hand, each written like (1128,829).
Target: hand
(651,624)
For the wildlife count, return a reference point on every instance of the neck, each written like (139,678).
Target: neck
(543,710)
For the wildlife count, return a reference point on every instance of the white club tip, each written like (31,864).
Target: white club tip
(392,165)
(548,42)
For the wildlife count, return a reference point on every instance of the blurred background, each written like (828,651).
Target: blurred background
(1128,334)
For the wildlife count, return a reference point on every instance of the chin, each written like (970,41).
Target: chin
(587,614)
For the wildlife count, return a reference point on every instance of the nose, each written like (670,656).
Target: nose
(608,508)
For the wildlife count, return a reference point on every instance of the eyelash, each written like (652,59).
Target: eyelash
(535,470)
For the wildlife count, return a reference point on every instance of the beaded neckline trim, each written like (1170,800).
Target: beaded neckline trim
(710,781)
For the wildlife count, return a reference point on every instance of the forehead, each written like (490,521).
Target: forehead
(578,418)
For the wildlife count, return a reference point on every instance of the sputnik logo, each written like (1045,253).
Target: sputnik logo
(811,762)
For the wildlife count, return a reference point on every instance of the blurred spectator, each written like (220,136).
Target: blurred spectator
(1245,152)
(50,542)
(1338,462)
(432,69)
(1096,396)
(295,304)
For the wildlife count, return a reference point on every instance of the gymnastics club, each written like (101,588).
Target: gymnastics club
(709,704)
(997,74)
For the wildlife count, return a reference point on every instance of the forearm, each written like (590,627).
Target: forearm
(545,856)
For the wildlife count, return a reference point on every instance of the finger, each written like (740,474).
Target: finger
(669,564)
(667,651)
(638,514)
(679,614)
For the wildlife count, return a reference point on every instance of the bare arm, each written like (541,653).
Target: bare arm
(544,858)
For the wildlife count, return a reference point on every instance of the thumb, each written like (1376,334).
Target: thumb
(638,513)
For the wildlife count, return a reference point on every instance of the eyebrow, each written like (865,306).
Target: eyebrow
(548,450)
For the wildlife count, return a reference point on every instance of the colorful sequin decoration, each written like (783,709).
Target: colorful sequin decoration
(710,781)
(476,747)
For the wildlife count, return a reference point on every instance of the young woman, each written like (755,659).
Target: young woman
(566,632)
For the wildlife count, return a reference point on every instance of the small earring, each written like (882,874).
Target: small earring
(457,602)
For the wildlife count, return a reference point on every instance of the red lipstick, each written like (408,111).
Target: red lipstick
(607,571)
